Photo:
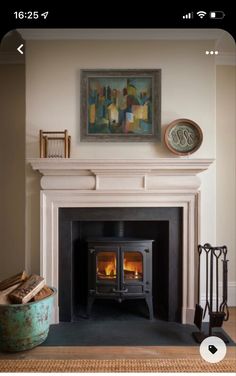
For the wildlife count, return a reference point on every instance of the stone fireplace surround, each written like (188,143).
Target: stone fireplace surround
(161,182)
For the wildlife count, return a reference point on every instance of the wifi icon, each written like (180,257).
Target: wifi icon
(201,13)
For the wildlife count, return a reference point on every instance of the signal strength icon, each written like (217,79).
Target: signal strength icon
(188,16)
(201,13)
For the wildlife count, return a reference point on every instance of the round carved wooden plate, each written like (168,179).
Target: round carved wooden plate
(183,137)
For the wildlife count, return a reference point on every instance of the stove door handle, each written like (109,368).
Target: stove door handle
(124,290)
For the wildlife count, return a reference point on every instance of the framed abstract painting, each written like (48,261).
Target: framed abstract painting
(120,105)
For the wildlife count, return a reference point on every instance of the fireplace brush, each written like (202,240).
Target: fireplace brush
(217,312)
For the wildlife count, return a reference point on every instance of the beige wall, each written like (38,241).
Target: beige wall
(53,89)
(188,90)
(226,163)
(53,98)
(12,136)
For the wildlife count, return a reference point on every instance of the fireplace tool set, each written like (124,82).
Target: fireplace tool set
(215,259)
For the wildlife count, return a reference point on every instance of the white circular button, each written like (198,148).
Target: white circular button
(213,349)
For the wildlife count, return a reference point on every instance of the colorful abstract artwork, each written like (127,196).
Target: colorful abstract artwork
(120,105)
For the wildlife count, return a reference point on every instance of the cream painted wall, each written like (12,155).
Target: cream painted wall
(53,97)
(53,89)
(226,163)
(12,139)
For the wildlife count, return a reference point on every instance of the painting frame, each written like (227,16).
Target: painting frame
(143,94)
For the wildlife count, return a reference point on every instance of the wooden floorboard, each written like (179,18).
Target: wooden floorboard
(124,352)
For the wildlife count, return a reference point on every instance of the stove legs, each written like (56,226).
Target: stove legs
(89,305)
(147,298)
(150,306)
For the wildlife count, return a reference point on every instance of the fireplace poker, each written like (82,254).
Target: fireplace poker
(198,308)
(217,253)
(224,306)
(207,248)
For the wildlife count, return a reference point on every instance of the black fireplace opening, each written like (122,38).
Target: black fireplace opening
(78,227)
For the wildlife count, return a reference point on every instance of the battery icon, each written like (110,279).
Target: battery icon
(217,14)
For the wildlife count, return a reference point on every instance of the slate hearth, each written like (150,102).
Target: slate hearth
(125,333)
(163,225)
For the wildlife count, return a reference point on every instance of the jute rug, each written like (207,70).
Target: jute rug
(119,365)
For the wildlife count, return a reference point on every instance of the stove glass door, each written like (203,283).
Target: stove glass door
(132,266)
(106,266)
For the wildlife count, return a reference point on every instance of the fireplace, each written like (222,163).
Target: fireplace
(156,183)
(108,233)
(120,269)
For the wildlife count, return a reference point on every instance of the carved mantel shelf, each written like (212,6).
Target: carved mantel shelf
(48,166)
(119,174)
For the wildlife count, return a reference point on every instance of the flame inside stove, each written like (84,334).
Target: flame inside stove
(110,269)
(106,265)
(133,266)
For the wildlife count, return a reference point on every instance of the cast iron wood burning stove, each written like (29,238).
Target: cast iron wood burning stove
(120,268)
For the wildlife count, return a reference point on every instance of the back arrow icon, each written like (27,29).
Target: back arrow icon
(19,49)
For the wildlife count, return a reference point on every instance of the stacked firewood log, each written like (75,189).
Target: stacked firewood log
(22,288)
